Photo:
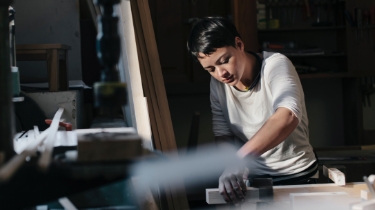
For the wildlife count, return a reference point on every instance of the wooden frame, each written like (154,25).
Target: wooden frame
(57,61)
(148,106)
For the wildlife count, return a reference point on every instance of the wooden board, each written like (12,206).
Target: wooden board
(349,194)
(154,90)
(214,197)
(130,72)
(147,80)
(156,74)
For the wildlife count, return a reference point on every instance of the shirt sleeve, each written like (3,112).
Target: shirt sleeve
(219,124)
(284,84)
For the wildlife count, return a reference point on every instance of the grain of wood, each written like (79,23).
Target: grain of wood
(138,106)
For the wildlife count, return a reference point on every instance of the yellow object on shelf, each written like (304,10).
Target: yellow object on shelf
(273,24)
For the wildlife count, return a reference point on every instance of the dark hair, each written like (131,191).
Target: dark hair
(210,33)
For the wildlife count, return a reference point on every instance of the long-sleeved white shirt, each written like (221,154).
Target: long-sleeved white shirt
(242,114)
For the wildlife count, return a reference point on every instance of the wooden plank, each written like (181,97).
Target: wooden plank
(156,72)
(319,200)
(335,175)
(149,91)
(131,68)
(53,70)
(282,194)
(146,86)
(41,46)
(243,12)
(148,83)
(63,70)
(367,205)
(31,51)
(214,197)
(93,13)
(176,199)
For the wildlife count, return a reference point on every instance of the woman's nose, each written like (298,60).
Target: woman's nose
(222,72)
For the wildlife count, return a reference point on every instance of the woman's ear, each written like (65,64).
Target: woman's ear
(239,43)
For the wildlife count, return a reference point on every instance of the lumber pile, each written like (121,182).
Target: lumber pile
(152,77)
(154,91)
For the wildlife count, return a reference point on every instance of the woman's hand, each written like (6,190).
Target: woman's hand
(231,184)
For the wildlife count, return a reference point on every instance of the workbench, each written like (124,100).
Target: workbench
(306,197)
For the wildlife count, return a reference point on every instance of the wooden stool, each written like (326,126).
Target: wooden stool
(57,61)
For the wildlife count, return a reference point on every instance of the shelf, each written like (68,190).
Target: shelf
(292,4)
(324,75)
(363,27)
(318,56)
(328,28)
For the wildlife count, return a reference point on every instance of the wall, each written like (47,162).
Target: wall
(49,21)
(323,99)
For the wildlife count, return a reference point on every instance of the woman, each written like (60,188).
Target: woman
(257,103)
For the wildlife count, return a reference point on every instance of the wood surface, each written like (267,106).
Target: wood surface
(53,69)
(57,61)
(156,74)
(137,102)
(147,80)
(214,197)
(243,13)
(42,46)
(154,91)
(351,194)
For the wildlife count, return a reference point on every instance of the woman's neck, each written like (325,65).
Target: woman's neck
(249,73)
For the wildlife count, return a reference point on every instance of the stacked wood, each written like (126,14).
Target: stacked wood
(154,91)
(152,77)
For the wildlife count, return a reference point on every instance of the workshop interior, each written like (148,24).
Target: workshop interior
(102,107)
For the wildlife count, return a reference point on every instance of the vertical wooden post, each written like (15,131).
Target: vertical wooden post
(244,14)
(6,108)
(353,113)
(53,70)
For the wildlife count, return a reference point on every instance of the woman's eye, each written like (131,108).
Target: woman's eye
(211,70)
(225,61)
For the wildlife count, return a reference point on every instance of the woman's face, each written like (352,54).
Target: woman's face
(226,64)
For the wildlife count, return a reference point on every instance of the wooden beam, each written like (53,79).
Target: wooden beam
(131,73)
(335,175)
(157,75)
(154,90)
(214,197)
(244,18)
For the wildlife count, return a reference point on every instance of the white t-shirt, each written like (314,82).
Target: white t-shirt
(242,114)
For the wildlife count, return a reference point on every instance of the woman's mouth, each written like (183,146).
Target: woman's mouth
(229,79)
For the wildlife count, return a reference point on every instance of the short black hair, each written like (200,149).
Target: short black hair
(210,33)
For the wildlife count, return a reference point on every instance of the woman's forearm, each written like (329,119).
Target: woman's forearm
(276,129)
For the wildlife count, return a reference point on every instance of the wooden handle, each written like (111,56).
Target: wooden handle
(67,126)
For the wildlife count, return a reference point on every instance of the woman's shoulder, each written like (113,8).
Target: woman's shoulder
(273,56)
